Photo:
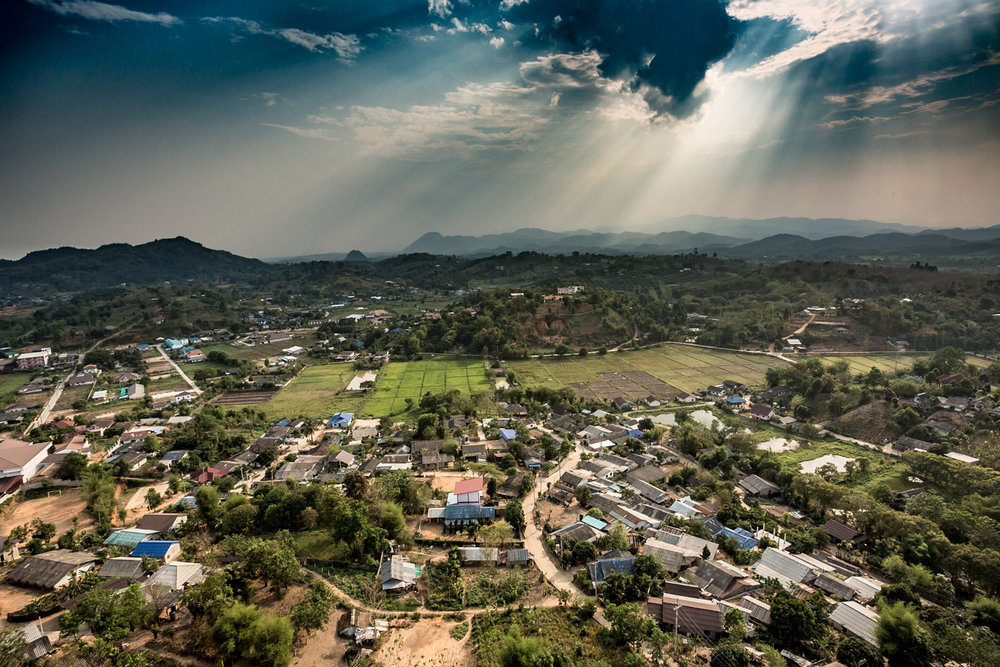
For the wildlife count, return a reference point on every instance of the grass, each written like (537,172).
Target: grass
(399,381)
(459,631)
(557,629)
(317,392)
(10,383)
(881,468)
(684,367)
(365,586)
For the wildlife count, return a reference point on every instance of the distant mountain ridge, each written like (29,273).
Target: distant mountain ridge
(175,259)
(668,236)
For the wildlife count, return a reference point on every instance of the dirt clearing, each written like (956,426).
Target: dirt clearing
(423,643)
(57,509)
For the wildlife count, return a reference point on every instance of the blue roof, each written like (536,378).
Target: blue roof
(359,343)
(735,400)
(154,548)
(594,522)
(635,433)
(341,419)
(452,512)
(283,422)
(602,568)
(508,433)
(742,536)
(398,330)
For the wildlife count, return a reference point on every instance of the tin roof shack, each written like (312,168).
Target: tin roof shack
(129,537)
(176,576)
(755,485)
(479,555)
(721,580)
(785,567)
(162,522)
(51,569)
(691,615)
(673,559)
(833,586)
(399,575)
(126,567)
(855,619)
(611,563)
(164,551)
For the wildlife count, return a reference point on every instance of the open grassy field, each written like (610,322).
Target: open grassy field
(317,391)
(255,352)
(11,382)
(398,381)
(684,367)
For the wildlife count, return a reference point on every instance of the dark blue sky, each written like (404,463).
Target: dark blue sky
(281,128)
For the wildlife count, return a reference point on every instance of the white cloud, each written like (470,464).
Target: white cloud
(502,117)
(100,11)
(304,132)
(855,120)
(496,42)
(507,4)
(440,7)
(505,24)
(270,99)
(347,47)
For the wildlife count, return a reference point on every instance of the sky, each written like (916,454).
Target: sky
(290,128)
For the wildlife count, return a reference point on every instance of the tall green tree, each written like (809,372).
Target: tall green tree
(901,639)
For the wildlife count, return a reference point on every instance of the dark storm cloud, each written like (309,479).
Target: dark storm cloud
(663,48)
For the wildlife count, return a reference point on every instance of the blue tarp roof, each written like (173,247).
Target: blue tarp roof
(594,523)
(283,422)
(508,433)
(635,433)
(735,400)
(154,548)
(600,570)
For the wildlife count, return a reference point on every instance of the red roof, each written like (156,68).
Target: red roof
(208,474)
(10,483)
(469,486)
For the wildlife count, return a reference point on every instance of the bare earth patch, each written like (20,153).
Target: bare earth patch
(58,509)
(423,643)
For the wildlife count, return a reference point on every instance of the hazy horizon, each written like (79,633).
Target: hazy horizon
(272,130)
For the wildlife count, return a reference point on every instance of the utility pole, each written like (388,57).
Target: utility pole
(677,609)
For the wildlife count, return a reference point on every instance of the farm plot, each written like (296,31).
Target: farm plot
(399,381)
(664,371)
(241,398)
(317,392)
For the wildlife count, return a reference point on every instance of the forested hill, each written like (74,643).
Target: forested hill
(175,260)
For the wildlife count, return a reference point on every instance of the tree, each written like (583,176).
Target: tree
(153,499)
(72,467)
(272,561)
(392,520)
(13,647)
(495,535)
(792,620)
(735,625)
(514,515)
(519,651)
(984,611)
(314,609)
(582,494)
(207,497)
(900,637)
(209,597)
(627,623)
(730,654)
(562,350)
(355,485)
(582,352)
(240,520)
(272,640)
(855,652)
(111,615)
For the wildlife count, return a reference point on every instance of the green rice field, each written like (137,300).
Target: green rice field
(398,381)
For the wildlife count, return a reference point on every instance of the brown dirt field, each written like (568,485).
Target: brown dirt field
(244,398)
(13,598)
(59,510)
(423,643)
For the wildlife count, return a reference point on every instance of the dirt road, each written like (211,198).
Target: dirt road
(177,368)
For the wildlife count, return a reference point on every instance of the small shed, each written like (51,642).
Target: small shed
(129,537)
(52,569)
(164,551)
(125,567)
(755,485)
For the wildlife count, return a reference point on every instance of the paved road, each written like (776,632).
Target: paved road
(194,387)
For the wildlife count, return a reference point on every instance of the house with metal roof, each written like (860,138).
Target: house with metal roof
(38,642)
(601,568)
(341,420)
(467,492)
(672,558)
(686,508)
(162,522)
(783,566)
(692,545)
(856,619)
(576,532)
(690,615)
(865,587)
(162,550)
(755,609)
(176,576)
(399,574)
(467,515)
(513,557)
(479,555)
(125,567)
(594,522)
(831,585)
(743,537)
(129,537)
(720,579)
(52,569)
(755,485)
(649,491)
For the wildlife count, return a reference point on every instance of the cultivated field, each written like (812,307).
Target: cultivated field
(10,383)
(665,369)
(887,362)
(398,381)
(317,391)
